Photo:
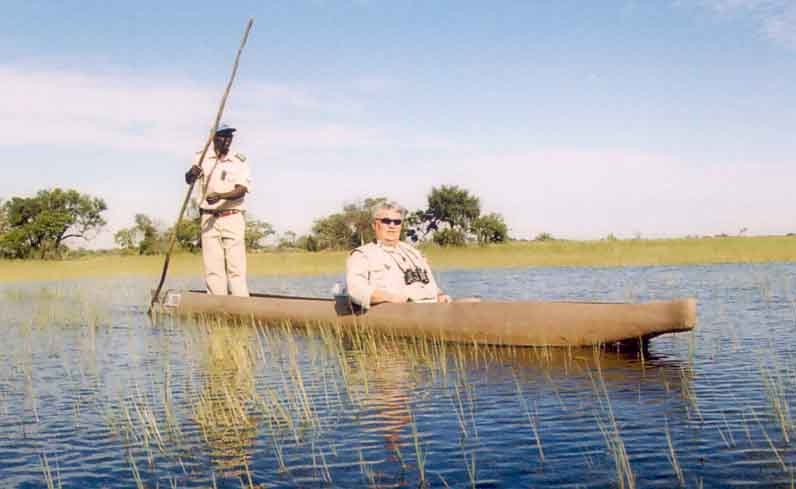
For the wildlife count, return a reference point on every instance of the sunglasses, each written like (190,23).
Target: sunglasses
(387,220)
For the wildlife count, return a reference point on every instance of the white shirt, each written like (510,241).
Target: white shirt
(221,176)
(376,266)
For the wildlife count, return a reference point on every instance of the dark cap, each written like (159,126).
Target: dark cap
(225,129)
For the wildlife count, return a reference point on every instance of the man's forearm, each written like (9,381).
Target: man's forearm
(237,193)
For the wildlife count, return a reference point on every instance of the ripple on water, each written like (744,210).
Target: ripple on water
(89,382)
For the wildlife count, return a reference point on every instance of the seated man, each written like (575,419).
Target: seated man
(389,270)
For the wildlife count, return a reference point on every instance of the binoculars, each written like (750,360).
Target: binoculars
(416,275)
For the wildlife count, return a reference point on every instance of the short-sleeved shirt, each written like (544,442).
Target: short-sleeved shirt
(231,170)
(377,266)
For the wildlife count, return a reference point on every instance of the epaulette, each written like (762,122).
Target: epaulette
(240,156)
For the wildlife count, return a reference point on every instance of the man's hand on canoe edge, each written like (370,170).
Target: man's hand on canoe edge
(382,296)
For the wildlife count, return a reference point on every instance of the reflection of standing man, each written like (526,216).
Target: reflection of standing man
(225,180)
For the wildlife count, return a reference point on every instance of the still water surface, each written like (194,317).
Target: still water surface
(93,394)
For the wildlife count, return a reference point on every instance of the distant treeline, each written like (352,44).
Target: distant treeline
(38,226)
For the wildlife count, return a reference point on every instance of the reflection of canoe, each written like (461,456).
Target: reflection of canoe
(522,323)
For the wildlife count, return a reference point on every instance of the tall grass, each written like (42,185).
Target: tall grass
(610,253)
(292,383)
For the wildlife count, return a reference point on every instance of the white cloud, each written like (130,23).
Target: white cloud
(148,114)
(776,18)
(132,120)
(309,164)
(782,26)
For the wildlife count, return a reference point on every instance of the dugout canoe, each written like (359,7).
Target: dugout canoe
(521,323)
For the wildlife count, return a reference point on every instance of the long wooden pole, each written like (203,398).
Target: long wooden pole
(156,293)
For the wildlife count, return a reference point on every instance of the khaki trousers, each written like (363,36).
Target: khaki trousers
(224,254)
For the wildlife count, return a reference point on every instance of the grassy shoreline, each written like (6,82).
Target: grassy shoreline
(611,253)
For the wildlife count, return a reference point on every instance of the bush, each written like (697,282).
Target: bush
(450,237)
(490,228)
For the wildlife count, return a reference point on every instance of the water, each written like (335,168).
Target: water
(92,394)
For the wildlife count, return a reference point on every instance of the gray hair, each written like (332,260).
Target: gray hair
(387,205)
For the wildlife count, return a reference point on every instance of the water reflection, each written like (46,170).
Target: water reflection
(389,394)
(228,387)
(293,409)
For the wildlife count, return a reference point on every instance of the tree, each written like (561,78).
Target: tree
(349,228)
(42,224)
(416,225)
(143,236)
(189,229)
(125,239)
(3,219)
(189,235)
(333,231)
(490,228)
(287,240)
(452,205)
(256,233)
(358,217)
(151,242)
(450,237)
(307,242)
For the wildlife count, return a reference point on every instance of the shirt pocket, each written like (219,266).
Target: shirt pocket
(378,274)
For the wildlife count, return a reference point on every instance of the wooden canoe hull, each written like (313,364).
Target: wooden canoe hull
(521,323)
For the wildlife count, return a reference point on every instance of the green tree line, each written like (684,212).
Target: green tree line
(452,217)
(40,226)
(148,237)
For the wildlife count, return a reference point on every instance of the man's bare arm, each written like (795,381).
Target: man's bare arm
(238,192)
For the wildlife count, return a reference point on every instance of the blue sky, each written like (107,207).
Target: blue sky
(575,118)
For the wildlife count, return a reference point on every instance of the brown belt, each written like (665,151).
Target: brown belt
(220,212)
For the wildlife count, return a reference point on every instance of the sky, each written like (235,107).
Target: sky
(579,119)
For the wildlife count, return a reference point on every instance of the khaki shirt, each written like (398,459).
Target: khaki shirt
(376,266)
(222,177)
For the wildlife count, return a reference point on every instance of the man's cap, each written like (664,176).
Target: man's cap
(225,129)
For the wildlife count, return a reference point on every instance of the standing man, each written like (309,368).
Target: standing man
(389,270)
(225,180)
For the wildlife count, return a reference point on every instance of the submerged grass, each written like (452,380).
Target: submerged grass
(607,253)
(247,390)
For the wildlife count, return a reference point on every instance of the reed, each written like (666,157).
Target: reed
(687,390)
(48,473)
(469,463)
(770,442)
(365,470)
(139,483)
(420,456)
(287,382)
(678,471)
(728,438)
(532,419)
(609,427)
(774,386)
